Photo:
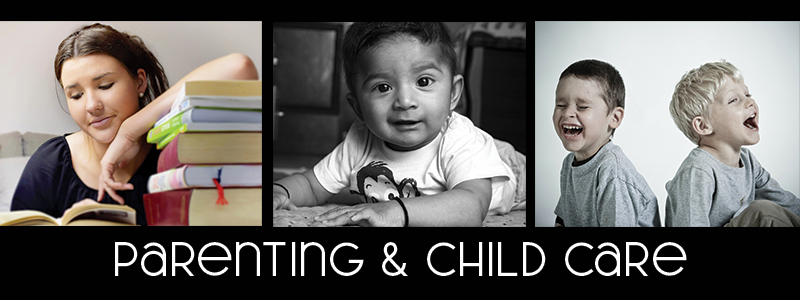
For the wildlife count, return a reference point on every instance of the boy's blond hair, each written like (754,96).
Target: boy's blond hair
(696,91)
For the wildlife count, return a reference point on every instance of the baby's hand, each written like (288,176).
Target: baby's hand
(384,214)
(280,201)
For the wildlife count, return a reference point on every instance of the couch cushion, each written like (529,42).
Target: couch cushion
(10,144)
(10,171)
(32,140)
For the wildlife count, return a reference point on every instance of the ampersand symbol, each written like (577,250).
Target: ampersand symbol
(400,270)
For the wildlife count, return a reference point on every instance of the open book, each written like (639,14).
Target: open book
(97,214)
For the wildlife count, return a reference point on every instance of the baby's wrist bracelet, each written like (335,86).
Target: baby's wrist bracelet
(284,188)
(405,211)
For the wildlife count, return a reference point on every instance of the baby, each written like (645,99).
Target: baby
(599,185)
(408,156)
(717,184)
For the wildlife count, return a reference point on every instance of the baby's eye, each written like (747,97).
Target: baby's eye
(424,81)
(383,88)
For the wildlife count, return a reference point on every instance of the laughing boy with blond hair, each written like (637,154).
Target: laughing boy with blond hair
(719,182)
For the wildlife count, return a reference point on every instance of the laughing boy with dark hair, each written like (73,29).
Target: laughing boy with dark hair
(599,184)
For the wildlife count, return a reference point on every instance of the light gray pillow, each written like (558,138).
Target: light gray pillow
(32,140)
(10,144)
(10,171)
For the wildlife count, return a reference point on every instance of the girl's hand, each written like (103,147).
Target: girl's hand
(119,153)
(130,136)
(383,214)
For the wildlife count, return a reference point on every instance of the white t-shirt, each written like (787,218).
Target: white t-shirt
(460,152)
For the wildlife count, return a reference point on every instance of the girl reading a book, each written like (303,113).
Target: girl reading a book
(116,89)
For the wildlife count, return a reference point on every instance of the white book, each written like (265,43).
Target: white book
(214,115)
(216,93)
(192,176)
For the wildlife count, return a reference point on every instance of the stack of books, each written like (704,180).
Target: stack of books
(209,169)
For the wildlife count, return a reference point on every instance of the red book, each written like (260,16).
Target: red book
(211,148)
(197,207)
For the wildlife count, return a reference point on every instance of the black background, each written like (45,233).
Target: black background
(711,253)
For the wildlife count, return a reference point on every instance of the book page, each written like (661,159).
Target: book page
(26,218)
(243,208)
(106,212)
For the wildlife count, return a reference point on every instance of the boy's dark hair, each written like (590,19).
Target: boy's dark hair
(604,74)
(362,36)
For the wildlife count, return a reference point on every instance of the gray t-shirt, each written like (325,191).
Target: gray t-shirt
(705,192)
(605,191)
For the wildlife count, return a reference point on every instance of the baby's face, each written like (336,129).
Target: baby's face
(581,117)
(404,92)
(734,115)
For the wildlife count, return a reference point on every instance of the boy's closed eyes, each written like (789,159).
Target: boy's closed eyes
(721,183)
(732,122)
(599,184)
(581,117)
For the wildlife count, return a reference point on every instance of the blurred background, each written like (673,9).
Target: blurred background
(311,114)
(652,57)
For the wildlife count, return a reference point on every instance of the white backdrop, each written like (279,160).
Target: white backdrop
(652,57)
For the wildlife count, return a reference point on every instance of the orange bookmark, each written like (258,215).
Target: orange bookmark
(221,200)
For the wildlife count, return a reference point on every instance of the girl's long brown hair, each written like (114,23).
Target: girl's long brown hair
(127,49)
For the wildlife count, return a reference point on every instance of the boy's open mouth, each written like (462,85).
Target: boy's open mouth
(571,130)
(750,123)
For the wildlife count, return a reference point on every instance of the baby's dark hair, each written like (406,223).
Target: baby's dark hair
(362,36)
